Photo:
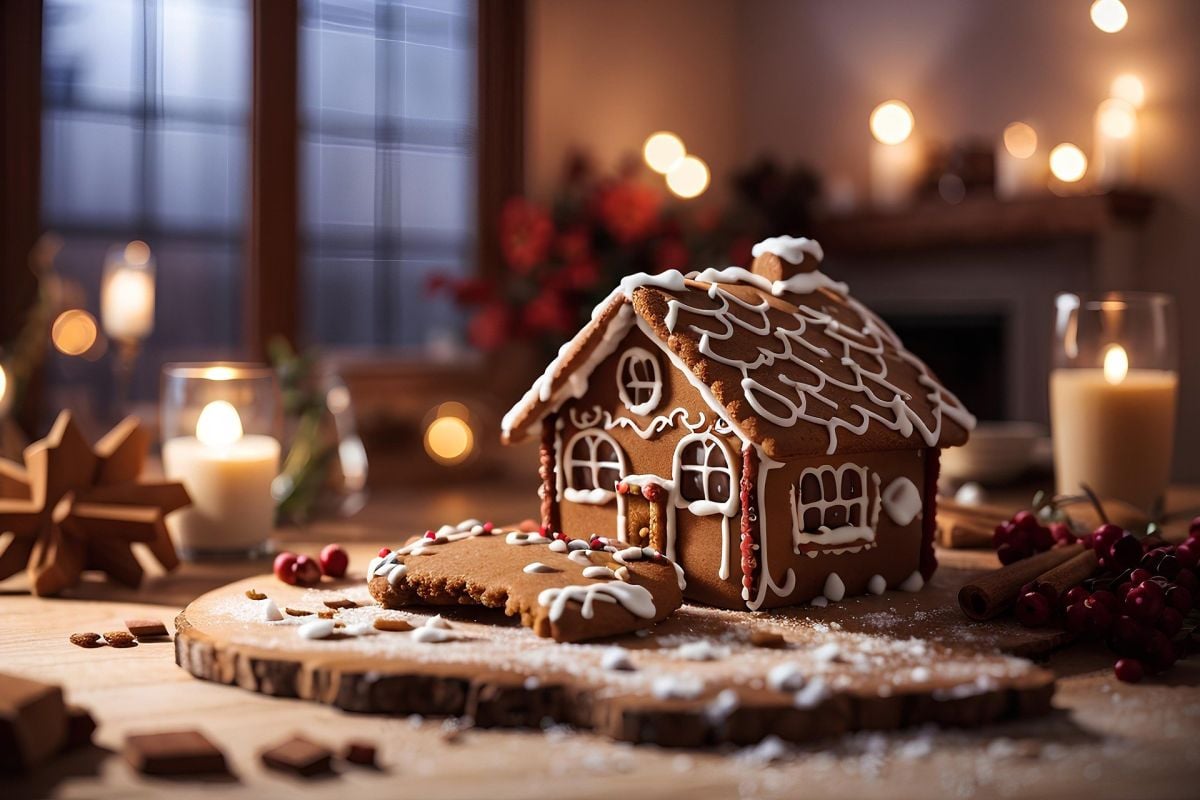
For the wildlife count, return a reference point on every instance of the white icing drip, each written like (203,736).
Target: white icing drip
(398,572)
(635,599)
(819,602)
(628,554)
(581,556)
(835,589)
(723,571)
(617,659)
(913,583)
(677,687)
(877,584)
(789,248)
(902,501)
(765,581)
(804,283)
(598,573)
(270,611)
(536,567)
(317,629)
(521,538)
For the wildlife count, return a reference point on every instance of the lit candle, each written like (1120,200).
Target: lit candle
(1116,132)
(1114,423)
(127,293)
(895,157)
(1018,169)
(228,475)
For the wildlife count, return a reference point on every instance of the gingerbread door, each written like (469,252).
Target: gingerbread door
(638,519)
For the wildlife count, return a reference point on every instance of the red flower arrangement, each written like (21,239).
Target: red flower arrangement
(563,258)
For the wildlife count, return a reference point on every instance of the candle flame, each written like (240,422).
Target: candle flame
(219,424)
(1116,364)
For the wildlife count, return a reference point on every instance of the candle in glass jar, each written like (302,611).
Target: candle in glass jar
(228,475)
(1114,428)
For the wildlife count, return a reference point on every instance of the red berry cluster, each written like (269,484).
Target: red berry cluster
(302,570)
(1136,603)
(1023,536)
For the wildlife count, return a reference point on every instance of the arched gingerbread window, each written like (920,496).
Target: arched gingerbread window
(594,465)
(639,380)
(703,476)
(835,505)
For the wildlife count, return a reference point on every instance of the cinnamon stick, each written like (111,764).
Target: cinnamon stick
(963,534)
(993,593)
(1070,573)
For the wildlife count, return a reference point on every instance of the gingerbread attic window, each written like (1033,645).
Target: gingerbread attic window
(639,380)
(835,506)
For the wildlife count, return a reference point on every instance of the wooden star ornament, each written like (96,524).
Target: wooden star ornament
(73,507)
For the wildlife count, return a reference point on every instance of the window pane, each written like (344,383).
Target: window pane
(387,130)
(199,178)
(193,79)
(92,52)
(88,169)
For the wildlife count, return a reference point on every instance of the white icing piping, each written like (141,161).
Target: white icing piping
(902,501)
(765,581)
(635,599)
(789,248)
(596,416)
(643,355)
(867,503)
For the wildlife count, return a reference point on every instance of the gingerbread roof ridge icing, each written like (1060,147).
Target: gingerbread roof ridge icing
(781,352)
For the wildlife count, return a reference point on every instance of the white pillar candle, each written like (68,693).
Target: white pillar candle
(228,476)
(895,171)
(1116,143)
(127,303)
(1113,429)
(1019,169)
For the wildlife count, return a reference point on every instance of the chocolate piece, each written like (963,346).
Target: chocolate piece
(300,756)
(573,594)
(88,640)
(80,727)
(362,753)
(33,722)
(186,752)
(146,628)
(120,639)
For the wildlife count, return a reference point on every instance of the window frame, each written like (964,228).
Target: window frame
(656,391)
(705,507)
(596,495)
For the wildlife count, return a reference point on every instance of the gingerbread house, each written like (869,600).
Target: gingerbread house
(761,427)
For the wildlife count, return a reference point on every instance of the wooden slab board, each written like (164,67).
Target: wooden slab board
(865,664)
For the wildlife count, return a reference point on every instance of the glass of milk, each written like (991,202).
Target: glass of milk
(218,438)
(1113,389)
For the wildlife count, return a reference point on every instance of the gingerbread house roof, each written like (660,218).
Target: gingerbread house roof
(785,356)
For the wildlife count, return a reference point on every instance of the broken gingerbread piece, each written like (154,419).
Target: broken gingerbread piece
(580,597)
(361,753)
(300,756)
(186,752)
(33,722)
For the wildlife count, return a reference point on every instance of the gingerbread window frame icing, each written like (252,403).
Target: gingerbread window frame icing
(654,384)
(705,506)
(595,494)
(855,529)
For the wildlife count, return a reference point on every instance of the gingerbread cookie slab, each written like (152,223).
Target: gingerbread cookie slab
(566,590)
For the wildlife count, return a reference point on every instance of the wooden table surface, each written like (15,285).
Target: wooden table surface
(1106,739)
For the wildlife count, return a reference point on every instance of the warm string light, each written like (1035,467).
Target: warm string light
(449,439)
(1109,16)
(891,122)
(689,178)
(663,151)
(74,332)
(1068,163)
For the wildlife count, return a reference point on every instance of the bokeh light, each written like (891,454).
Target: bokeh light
(1020,140)
(137,253)
(74,332)
(1068,163)
(1129,87)
(1109,16)
(663,151)
(891,122)
(1116,118)
(689,178)
(449,440)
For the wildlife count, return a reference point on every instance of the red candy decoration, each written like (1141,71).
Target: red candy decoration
(383,551)
(334,560)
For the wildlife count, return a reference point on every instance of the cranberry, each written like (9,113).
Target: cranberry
(1129,670)
(1033,609)
(1139,576)
(306,572)
(1107,599)
(1169,566)
(1122,590)
(1076,618)
(1194,528)
(1125,552)
(1061,533)
(1001,534)
(1076,594)
(383,551)
(1143,603)
(1170,621)
(1041,538)
(1188,553)
(1126,636)
(283,567)
(1009,554)
(334,560)
(1105,536)
(1179,599)
(1099,618)
(1025,520)
(1187,579)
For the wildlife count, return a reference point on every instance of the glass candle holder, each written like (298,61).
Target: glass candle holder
(1113,391)
(218,426)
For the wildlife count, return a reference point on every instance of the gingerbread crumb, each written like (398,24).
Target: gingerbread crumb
(340,602)
(297,612)
(88,640)
(766,637)
(255,594)
(385,624)
(120,639)
(326,614)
